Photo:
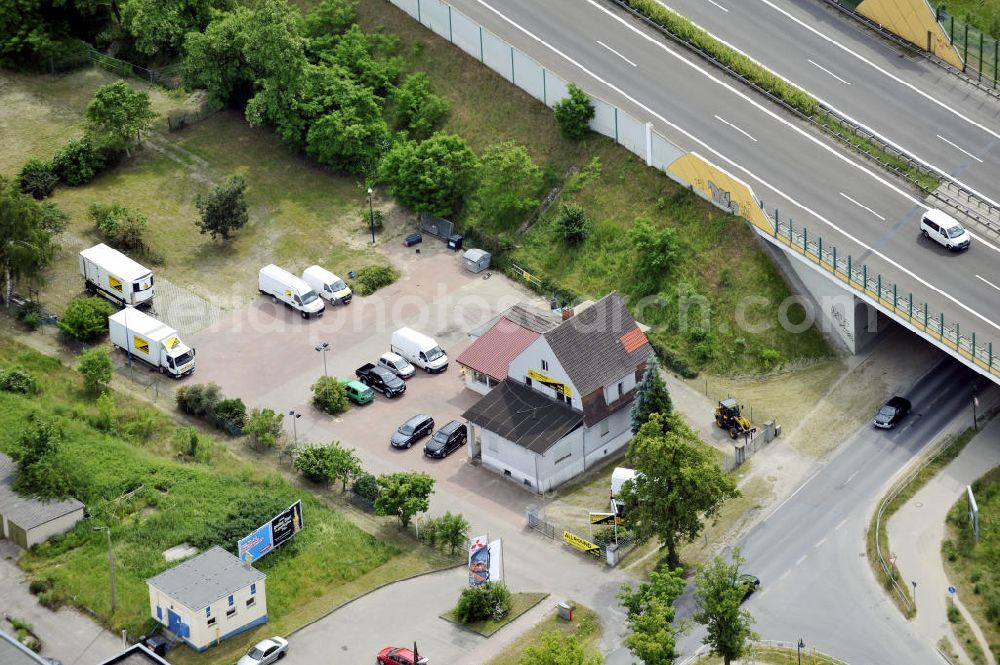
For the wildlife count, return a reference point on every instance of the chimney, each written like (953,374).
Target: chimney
(567,313)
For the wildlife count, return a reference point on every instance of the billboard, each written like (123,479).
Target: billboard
(271,534)
(485,561)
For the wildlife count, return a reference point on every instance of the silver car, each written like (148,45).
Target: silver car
(266,652)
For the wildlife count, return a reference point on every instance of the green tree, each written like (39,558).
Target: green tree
(452,530)
(650,616)
(329,463)
(78,161)
(95,366)
(718,593)
(654,257)
(651,396)
(432,176)
(119,225)
(416,108)
(403,494)
(509,182)
(224,209)
(557,648)
(490,601)
(230,415)
(329,395)
(264,428)
(678,484)
(119,114)
(160,25)
(41,471)
(348,143)
(216,59)
(27,246)
(574,113)
(37,178)
(572,224)
(327,21)
(86,318)
(354,51)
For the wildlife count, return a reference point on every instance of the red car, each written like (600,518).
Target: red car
(398,656)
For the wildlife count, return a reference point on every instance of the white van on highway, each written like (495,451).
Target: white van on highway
(419,349)
(285,287)
(944,229)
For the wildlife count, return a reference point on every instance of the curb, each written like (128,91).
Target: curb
(498,628)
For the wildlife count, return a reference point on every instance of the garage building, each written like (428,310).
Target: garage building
(28,521)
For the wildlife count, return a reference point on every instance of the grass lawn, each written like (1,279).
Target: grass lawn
(720,261)
(521,602)
(971,566)
(132,480)
(776,656)
(982,14)
(585,625)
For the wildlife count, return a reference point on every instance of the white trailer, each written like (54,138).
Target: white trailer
(151,341)
(115,276)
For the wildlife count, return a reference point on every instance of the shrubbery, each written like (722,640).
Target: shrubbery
(37,178)
(574,113)
(572,224)
(449,530)
(490,601)
(95,366)
(78,162)
(119,225)
(366,486)
(372,278)
(329,395)
(327,464)
(205,401)
(18,380)
(86,318)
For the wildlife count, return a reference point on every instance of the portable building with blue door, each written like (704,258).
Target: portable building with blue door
(208,598)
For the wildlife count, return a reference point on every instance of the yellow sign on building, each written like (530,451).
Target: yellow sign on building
(559,386)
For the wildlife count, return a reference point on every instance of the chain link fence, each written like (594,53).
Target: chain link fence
(980,52)
(169,77)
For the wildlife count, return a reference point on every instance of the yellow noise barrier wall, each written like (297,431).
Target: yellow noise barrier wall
(721,188)
(912,20)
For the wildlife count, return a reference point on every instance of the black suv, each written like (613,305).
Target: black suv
(891,413)
(412,431)
(446,440)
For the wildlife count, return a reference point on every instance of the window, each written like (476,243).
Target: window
(208,611)
(527,381)
(621,388)
(251,601)
(605,427)
(159,613)
(211,622)
(231,612)
(230,601)
(253,589)
(545,365)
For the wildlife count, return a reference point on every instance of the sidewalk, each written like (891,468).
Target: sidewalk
(67,635)
(917,530)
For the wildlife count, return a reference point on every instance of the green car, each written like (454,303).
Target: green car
(358,392)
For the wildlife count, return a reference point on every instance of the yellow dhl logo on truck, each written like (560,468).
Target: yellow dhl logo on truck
(141,345)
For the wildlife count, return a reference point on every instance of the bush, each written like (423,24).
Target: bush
(37,178)
(18,380)
(953,614)
(30,314)
(243,518)
(372,278)
(572,224)
(120,226)
(366,486)
(199,399)
(78,162)
(369,214)
(329,395)
(230,415)
(417,108)
(105,419)
(487,602)
(86,318)
(264,428)
(95,366)
(574,113)
(191,445)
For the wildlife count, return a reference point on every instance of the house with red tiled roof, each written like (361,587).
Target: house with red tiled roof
(563,402)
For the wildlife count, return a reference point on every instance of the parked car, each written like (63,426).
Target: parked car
(944,229)
(358,392)
(398,656)
(412,431)
(397,364)
(381,380)
(446,440)
(891,412)
(750,583)
(266,652)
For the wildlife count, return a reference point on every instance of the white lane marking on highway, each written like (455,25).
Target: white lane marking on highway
(784,575)
(727,160)
(842,523)
(851,477)
(719,6)
(988,282)
(801,559)
(861,205)
(961,150)
(819,543)
(736,128)
(617,53)
(829,72)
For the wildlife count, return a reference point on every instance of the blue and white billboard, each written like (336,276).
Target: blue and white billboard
(273,534)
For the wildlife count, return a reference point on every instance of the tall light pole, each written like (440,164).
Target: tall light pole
(111,566)
(800,646)
(371,214)
(295,430)
(323,348)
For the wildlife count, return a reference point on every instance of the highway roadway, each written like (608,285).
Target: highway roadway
(809,552)
(849,204)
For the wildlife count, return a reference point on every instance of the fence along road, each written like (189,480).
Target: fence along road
(826,194)
(931,115)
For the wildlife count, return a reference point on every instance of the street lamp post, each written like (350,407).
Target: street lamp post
(371,214)
(111,566)
(295,430)
(799,647)
(323,348)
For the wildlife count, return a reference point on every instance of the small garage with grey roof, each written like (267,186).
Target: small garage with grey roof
(208,598)
(28,521)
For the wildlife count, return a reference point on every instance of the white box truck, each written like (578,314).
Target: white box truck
(115,276)
(619,477)
(285,287)
(327,285)
(151,341)
(419,349)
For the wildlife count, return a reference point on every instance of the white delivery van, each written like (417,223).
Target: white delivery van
(944,229)
(115,276)
(151,341)
(285,287)
(619,477)
(327,285)
(419,349)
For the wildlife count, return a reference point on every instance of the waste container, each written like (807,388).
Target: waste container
(157,644)
(412,239)
(566,611)
(476,260)
(455,241)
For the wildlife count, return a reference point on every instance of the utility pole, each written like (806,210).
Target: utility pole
(111,566)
